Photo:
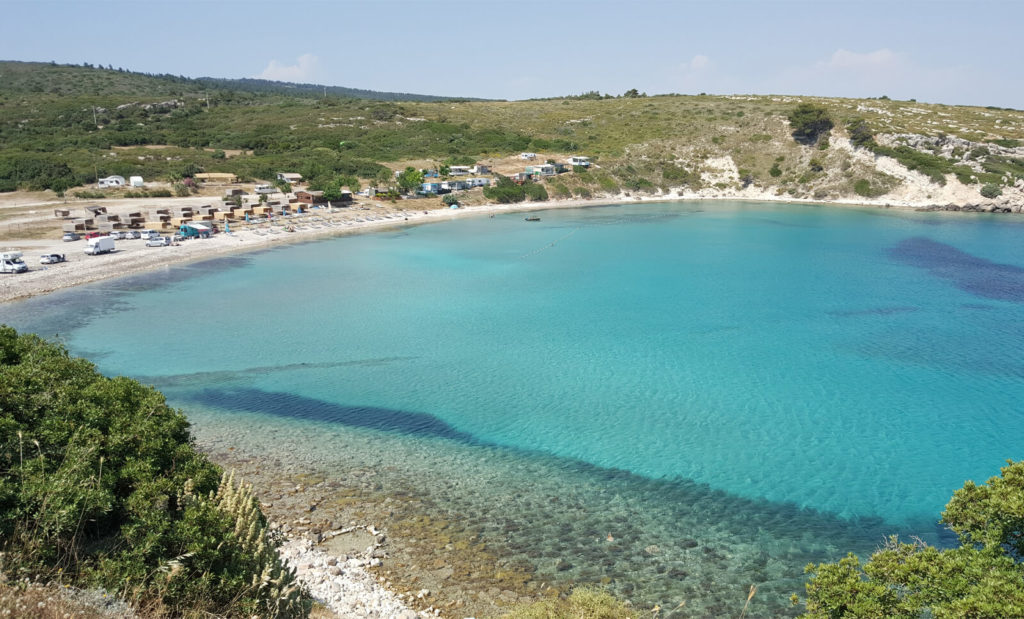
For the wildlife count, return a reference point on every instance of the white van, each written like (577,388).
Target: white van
(99,245)
(265,189)
(11,262)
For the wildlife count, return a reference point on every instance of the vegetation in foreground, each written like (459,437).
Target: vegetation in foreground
(983,577)
(581,603)
(101,486)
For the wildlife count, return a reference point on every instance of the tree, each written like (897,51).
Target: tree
(409,179)
(983,577)
(809,122)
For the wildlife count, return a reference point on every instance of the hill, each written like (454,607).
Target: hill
(57,134)
(63,79)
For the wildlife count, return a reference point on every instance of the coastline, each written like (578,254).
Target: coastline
(303,510)
(133,258)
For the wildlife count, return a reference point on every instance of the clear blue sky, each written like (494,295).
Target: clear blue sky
(944,51)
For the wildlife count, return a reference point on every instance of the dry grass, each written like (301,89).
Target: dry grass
(54,602)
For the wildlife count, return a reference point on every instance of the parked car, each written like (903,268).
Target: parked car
(150,234)
(177,238)
(94,235)
(70,236)
(133,234)
(51,258)
(117,235)
(158,241)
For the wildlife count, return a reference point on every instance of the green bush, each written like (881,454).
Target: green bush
(535,192)
(932,166)
(582,603)
(980,578)
(561,191)
(775,170)
(505,191)
(809,122)
(864,188)
(99,478)
(991,190)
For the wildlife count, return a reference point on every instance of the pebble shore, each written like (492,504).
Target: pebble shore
(343,584)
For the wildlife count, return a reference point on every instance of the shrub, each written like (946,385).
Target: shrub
(505,191)
(991,190)
(181,190)
(608,184)
(775,170)
(809,122)
(535,192)
(450,199)
(582,603)
(99,477)
(860,133)
(979,578)
(862,187)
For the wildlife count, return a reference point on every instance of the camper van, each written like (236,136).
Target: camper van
(265,189)
(11,262)
(99,245)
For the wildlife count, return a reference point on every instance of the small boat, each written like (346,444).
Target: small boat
(533,218)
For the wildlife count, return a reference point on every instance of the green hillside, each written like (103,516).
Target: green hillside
(52,78)
(62,126)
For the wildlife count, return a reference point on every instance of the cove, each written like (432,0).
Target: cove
(824,370)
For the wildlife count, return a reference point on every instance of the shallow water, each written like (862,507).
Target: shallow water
(746,388)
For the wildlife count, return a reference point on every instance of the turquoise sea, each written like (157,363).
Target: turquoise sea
(732,389)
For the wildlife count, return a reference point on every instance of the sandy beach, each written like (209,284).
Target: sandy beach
(133,256)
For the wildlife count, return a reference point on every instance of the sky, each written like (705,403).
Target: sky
(963,52)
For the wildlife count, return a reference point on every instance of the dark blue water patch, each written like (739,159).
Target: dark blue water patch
(685,499)
(300,407)
(784,224)
(219,377)
(974,275)
(872,311)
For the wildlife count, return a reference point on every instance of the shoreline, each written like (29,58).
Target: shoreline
(133,258)
(304,511)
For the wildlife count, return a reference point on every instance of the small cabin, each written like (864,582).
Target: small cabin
(310,197)
(289,177)
(544,169)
